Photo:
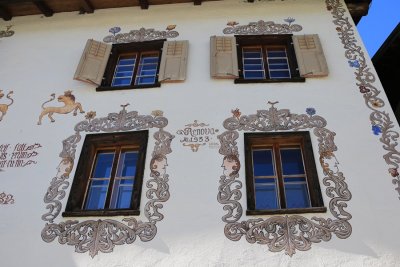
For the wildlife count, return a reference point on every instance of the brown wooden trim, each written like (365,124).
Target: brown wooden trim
(5,13)
(284,40)
(86,6)
(197,2)
(137,47)
(287,211)
(278,140)
(44,8)
(144,4)
(92,144)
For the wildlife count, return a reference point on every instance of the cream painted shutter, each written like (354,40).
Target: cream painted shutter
(310,56)
(173,61)
(223,57)
(93,62)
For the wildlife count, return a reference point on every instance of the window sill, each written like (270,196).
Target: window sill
(286,211)
(291,80)
(100,213)
(116,88)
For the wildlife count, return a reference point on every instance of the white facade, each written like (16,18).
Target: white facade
(40,59)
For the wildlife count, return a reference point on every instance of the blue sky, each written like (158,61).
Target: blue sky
(382,18)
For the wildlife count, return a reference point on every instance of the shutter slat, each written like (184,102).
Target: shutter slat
(310,56)
(173,61)
(93,62)
(223,57)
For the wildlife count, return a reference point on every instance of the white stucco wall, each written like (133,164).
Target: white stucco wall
(41,58)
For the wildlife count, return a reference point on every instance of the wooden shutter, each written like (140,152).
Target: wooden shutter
(173,61)
(93,62)
(310,56)
(223,57)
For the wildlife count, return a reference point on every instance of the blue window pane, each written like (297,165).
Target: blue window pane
(96,197)
(296,195)
(148,60)
(122,194)
(266,197)
(276,53)
(121,82)
(102,182)
(252,61)
(127,166)
(292,161)
(124,68)
(145,80)
(128,61)
(279,74)
(278,67)
(127,74)
(253,67)
(263,163)
(103,165)
(255,54)
(277,61)
(253,74)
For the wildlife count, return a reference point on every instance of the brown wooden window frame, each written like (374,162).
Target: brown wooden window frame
(138,48)
(268,140)
(80,186)
(265,41)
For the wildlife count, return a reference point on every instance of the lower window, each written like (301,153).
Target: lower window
(108,179)
(281,175)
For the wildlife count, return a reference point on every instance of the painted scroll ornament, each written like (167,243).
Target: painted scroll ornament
(139,35)
(4,107)
(262,27)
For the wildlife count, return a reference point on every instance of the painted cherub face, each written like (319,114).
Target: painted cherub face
(159,167)
(231,165)
(64,167)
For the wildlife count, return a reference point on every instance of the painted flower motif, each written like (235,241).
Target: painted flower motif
(171,27)
(393,172)
(236,113)
(376,103)
(310,111)
(115,30)
(376,129)
(364,89)
(232,23)
(90,115)
(289,20)
(157,113)
(338,29)
(329,8)
(354,63)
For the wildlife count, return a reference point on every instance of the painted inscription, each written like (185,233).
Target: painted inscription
(195,135)
(19,155)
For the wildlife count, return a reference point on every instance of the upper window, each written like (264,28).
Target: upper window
(281,174)
(109,175)
(132,65)
(267,58)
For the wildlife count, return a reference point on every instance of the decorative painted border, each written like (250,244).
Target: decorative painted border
(365,79)
(6,199)
(289,233)
(139,35)
(103,235)
(262,27)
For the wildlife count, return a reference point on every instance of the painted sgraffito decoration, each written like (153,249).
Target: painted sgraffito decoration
(69,105)
(4,107)
(7,32)
(19,155)
(263,27)
(102,235)
(139,35)
(196,135)
(6,199)
(381,123)
(291,232)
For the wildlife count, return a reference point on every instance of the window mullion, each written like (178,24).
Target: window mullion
(135,70)
(278,166)
(112,177)
(265,61)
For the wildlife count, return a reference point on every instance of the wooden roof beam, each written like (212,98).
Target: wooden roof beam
(44,8)
(5,13)
(86,6)
(144,4)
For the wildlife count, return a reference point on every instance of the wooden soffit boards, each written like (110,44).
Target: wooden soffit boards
(13,8)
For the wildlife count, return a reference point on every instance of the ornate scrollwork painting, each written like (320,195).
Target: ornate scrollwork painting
(289,233)
(139,35)
(103,235)
(6,199)
(381,123)
(262,27)
(4,107)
